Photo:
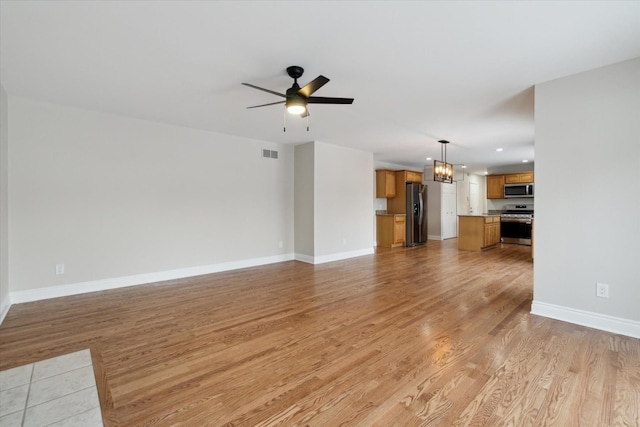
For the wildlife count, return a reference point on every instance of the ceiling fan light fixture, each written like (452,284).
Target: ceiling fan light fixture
(297,98)
(296,106)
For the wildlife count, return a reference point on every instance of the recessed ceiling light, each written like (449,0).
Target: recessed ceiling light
(525,161)
(464,166)
(429,158)
(498,149)
(486,173)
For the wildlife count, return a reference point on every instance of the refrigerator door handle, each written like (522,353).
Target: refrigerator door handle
(421,207)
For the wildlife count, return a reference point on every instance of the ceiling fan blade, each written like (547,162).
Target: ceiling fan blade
(264,105)
(313,86)
(324,100)
(265,90)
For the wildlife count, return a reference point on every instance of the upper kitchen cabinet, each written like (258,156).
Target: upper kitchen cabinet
(397,204)
(516,178)
(495,183)
(385,183)
(495,186)
(412,176)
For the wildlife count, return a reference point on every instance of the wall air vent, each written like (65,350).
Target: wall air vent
(269,154)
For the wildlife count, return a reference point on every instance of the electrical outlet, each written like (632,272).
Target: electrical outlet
(602,290)
(59,268)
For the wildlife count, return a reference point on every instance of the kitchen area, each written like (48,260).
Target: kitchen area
(404,221)
(435,210)
(509,217)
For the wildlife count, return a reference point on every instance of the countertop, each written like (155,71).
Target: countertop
(482,215)
(384,213)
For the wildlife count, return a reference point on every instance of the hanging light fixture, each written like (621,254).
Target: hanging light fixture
(443,171)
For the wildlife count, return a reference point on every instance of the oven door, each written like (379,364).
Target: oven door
(515,230)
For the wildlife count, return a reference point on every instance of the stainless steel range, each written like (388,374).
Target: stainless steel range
(515,224)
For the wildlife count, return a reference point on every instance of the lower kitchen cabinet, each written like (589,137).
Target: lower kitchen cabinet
(477,232)
(491,231)
(390,230)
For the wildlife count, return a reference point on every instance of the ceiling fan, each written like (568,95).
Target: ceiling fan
(297,98)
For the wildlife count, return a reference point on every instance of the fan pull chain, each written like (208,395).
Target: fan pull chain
(284,119)
(307,121)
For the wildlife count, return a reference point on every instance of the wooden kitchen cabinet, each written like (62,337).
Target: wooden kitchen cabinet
(478,232)
(390,230)
(495,186)
(491,231)
(399,230)
(495,183)
(398,204)
(404,176)
(414,177)
(385,183)
(517,178)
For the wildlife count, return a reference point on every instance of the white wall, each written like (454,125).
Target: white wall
(4,205)
(112,197)
(304,201)
(343,192)
(519,167)
(341,224)
(442,208)
(464,194)
(587,225)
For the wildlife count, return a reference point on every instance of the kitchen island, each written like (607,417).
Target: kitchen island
(478,232)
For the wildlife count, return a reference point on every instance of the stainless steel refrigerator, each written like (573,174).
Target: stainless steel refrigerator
(416,224)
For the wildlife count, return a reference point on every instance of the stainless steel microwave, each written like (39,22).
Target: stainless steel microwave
(518,190)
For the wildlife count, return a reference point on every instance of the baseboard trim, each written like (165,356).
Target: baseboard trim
(343,255)
(304,258)
(333,257)
(30,295)
(603,322)
(4,308)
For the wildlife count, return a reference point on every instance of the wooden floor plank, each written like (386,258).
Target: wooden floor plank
(424,336)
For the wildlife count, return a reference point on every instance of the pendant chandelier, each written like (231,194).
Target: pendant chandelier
(443,171)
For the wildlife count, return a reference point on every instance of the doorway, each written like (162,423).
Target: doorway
(474,198)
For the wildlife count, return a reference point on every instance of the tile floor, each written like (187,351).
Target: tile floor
(54,392)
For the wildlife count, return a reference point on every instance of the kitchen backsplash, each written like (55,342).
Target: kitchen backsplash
(500,204)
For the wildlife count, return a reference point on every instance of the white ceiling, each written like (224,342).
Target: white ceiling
(419,71)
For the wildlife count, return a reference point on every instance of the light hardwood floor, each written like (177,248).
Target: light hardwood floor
(405,337)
